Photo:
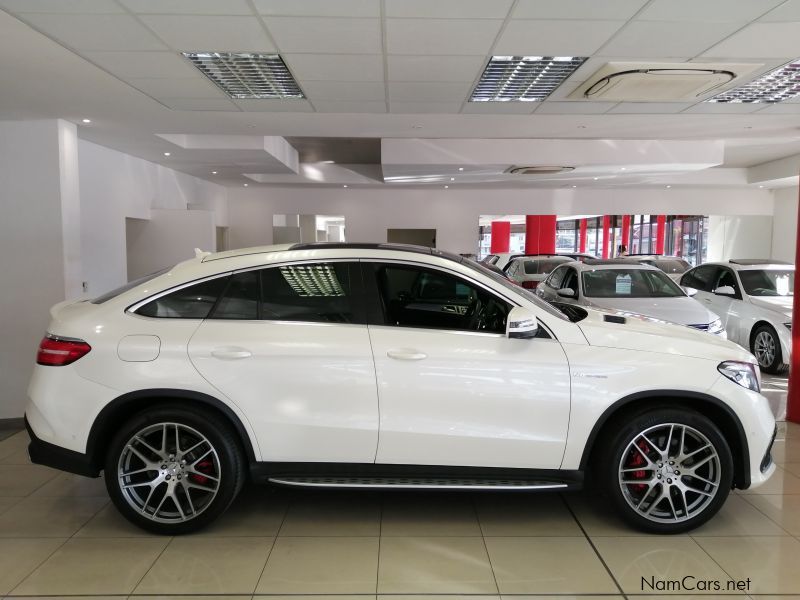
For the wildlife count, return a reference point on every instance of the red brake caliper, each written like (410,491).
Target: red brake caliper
(637,460)
(205,466)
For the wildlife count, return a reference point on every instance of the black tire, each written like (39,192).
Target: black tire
(217,463)
(767,333)
(683,508)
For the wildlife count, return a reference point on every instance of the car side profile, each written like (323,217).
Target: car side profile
(753,297)
(385,366)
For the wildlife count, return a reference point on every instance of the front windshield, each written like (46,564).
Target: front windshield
(768,282)
(502,280)
(629,283)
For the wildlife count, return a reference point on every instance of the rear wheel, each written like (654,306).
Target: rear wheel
(171,470)
(667,471)
(766,347)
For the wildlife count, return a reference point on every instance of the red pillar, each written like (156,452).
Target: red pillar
(626,230)
(661,225)
(606,232)
(540,234)
(793,397)
(582,241)
(500,237)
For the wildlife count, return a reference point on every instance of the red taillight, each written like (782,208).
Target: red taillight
(530,285)
(56,352)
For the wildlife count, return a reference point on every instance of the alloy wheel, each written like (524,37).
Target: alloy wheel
(169,472)
(764,348)
(669,473)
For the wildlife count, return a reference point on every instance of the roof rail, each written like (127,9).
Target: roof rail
(757,261)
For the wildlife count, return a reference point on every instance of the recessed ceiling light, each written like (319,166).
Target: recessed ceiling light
(213,172)
(761,187)
(460,168)
(86,120)
(574,186)
(167,153)
(669,186)
(345,185)
(523,78)
(416,127)
(327,162)
(447,187)
(244,184)
(247,75)
(622,169)
(777,85)
(452,179)
(595,178)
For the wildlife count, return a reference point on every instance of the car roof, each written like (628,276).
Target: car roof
(325,246)
(600,264)
(750,262)
(745,264)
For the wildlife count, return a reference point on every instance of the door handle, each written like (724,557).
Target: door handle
(406,354)
(231,353)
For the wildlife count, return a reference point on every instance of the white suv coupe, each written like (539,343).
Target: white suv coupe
(381,366)
(753,297)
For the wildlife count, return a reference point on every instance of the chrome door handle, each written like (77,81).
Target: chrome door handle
(231,353)
(406,354)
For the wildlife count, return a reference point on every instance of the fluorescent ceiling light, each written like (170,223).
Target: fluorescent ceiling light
(777,85)
(86,120)
(523,78)
(247,75)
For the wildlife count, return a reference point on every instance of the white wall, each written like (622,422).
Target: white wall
(739,237)
(454,213)
(784,226)
(114,186)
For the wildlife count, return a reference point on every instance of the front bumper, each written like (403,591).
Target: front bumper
(56,457)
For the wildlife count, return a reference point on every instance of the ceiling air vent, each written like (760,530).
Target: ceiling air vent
(538,170)
(646,82)
(247,75)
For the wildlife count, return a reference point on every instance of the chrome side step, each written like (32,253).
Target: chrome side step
(418,483)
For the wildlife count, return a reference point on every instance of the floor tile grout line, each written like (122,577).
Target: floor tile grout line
(714,560)
(152,564)
(272,547)
(745,496)
(485,546)
(594,548)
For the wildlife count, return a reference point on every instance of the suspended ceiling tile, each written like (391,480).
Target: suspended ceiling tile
(189,7)
(771,40)
(657,39)
(143,64)
(582,107)
(434,68)
(220,104)
(162,87)
(62,6)
(577,9)
(424,107)
(270,105)
(325,106)
(448,9)
(784,108)
(323,35)
(649,107)
(788,11)
(554,37)
(737,11)
(441,36)
(95,32)
(335,67)
(349,91)
(214,34)
(319,8)
(724,108)
(411,91)
(499,108)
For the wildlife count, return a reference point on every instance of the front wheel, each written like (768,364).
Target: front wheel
(171,470)
(667,470)
(766,347)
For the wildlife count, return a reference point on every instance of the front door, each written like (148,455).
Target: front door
(453,389)
(289,346)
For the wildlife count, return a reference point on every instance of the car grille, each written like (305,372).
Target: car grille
(700,326)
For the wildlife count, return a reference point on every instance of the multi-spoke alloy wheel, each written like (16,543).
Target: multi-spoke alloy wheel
(767,349)
(172,470)
(667,469)
(169,472)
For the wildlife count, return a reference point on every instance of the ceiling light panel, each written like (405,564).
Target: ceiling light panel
(247,75)
(523,78)
(778,85)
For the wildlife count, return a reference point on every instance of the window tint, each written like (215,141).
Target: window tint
(415,297)
(240,300)
(556,277)
(700,278)
(570,280)
(313,292)
(193,302)
(726,278)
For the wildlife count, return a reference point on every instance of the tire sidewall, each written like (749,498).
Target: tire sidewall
(618,444)
(777,365)
(220,436)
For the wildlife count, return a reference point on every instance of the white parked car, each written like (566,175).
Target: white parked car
(380,366)
(499,260)
(753,298)
(674,266)
(530,271)
(627,288)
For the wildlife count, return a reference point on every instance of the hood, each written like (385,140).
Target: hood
(780,304)
(681,310)
(645,334)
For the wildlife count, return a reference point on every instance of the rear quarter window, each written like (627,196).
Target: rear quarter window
(191,302)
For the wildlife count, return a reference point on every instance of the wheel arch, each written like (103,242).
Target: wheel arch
(125,406)
(715,409)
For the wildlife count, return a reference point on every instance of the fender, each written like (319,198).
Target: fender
(742,469)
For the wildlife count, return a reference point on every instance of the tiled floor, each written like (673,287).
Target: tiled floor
(60,536)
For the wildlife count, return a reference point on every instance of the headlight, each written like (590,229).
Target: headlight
(788,325)
(742,373)
(715,326)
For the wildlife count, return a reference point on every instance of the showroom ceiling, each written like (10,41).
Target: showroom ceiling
(379,69)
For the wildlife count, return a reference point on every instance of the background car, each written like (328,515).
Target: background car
(627,288)
(753,297)
(674,266)
(529,271)
(502,261)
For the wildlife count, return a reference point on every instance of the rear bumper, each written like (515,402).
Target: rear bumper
(50,455)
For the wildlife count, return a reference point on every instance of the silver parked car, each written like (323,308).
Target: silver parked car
(627,288)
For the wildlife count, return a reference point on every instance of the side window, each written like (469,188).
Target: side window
(431,299)
(726,277)
(700,278)
(320,292)
(570,280)
(556,277)
(240,299)
(193,302)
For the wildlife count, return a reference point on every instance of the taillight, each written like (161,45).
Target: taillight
(57,352)
(530,285)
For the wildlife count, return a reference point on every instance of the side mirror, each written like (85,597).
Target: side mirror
(521,324)
(690,291)
(725,290)
(566,293)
